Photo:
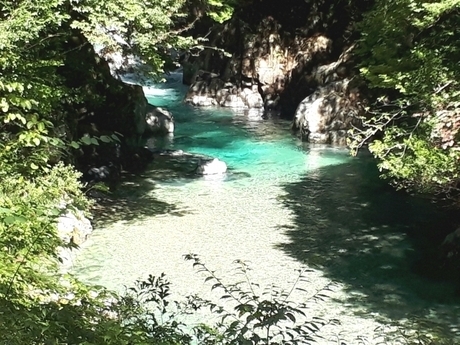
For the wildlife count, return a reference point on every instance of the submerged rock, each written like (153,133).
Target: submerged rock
(179,164)
(167,152)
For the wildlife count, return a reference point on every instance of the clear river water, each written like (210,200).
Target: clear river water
(283,205)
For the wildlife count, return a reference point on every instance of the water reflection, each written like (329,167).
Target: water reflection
(313,162)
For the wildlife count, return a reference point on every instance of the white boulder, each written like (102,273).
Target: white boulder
(211,167)
(73,228)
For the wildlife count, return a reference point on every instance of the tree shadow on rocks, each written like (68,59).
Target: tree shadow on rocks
(362,233)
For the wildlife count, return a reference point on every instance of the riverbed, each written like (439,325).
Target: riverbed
(283,206)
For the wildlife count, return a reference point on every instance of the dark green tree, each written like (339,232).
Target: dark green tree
(37,124)
(409,55)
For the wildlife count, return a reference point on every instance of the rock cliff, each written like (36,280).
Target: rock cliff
(276,57)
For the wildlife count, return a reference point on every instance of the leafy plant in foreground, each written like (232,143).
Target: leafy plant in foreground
(146,307)
(258,316)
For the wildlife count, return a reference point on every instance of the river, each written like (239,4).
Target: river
(282,206)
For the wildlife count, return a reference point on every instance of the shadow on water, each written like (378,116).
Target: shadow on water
(135,197)
(362,233)
(131,202)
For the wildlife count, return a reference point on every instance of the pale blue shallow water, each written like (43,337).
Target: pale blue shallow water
(282,204)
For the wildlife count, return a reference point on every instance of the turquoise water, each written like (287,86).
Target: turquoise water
(283,204)
(245,142)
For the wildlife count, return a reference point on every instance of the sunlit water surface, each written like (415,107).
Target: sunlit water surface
(282,205)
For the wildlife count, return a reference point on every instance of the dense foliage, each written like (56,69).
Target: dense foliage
(39,97)
(409,52)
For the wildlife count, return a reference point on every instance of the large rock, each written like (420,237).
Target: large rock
(450,252)
(149,119)
(215,92)
(281,54)
(73,229)
(204,92)
(158,120)
(107,105)
(325,116)
(120,64)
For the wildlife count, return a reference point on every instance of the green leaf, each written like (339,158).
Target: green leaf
(54,211)
(105,139)
(5,210)
(75,145)
(55,142)
(9,220)
(34,166)
(14,219)
(86,140)
(36,141)
(26,104)
(4,106)
(115,137)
